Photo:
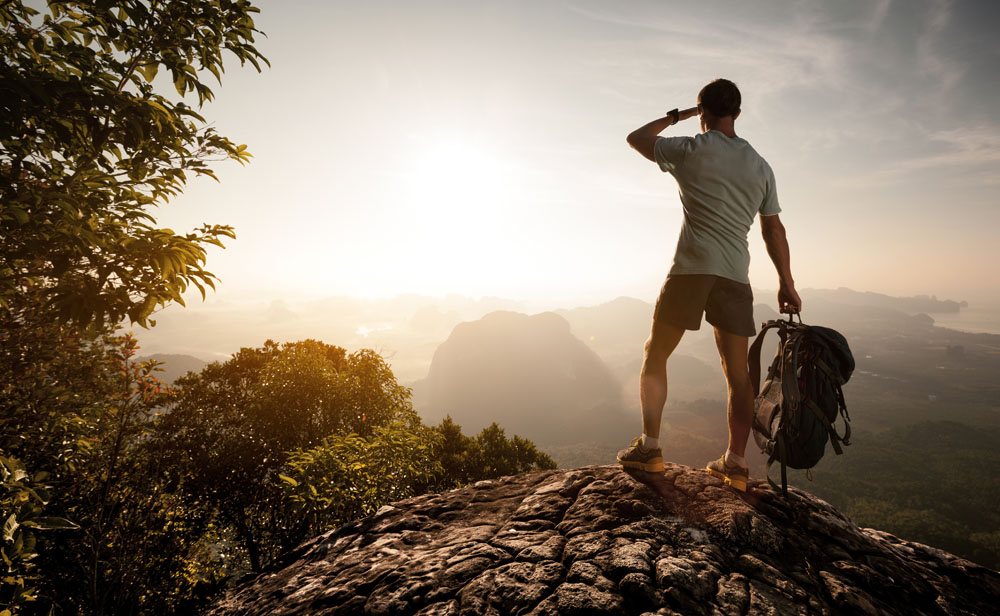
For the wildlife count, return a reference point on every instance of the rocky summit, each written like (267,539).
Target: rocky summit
(598,540)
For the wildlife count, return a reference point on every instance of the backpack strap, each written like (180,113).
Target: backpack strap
(767,472)
(778,454)
(828,371)
(821,416)
(784,477)
(753,355)
(844,415)
(790,367)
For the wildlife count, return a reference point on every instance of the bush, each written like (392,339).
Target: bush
(349,476)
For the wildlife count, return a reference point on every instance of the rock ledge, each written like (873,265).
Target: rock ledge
(597,540)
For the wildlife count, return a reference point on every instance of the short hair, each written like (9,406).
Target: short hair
(721,98)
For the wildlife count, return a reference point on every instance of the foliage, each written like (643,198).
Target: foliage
(52,383)
(21,503)
(131,553)
(235,422)
(348,476)
(87,146)
(487,456)
(932,482)
(170,506)
(76,405)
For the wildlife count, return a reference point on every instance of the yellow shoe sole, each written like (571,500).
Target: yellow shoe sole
(739,484)
(655,465)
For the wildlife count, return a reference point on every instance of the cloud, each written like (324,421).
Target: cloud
(966,155)
(800,61)
(879,14)
(930,59)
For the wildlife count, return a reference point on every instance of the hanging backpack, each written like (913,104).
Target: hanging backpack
(795,410)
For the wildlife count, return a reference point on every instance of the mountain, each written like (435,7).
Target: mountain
(611,327)
(617,331)
(528,373)
(175,366)
(918,303)
(596,540)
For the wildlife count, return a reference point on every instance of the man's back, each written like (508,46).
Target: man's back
(723,184)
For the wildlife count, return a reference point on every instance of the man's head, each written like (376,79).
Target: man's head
(719,101)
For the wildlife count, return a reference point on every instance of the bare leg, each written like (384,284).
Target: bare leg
(733,352)
(653,378)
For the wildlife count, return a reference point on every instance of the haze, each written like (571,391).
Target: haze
(478,148)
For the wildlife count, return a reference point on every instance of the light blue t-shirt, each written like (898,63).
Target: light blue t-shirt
(723,184)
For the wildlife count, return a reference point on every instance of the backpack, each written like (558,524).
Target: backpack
(795,410)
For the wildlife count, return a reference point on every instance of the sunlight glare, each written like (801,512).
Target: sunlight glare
(454,199)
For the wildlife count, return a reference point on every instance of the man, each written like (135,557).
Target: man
(723,185)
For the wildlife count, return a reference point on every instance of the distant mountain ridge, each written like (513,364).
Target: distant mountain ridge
(917,303)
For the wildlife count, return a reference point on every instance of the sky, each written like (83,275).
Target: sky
(479,147)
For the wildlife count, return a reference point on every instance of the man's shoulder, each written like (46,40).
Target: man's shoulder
(669,152)
(755,156)
(680,141)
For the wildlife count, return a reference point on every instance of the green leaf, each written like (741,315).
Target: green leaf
(158,107)
(19,215)
(51,523)
(288,480)
(10,527)
(148,71)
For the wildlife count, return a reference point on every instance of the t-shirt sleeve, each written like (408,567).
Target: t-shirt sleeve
(669,152)
(769,205)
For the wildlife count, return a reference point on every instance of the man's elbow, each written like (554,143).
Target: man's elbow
(642,144)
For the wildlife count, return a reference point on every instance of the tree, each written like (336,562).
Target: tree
(487,456)
(87,146)
(236,422)
(495,455)
(52,386)
(78,407)
(131,553)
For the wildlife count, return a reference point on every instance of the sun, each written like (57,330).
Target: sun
(456,184)
(454,200)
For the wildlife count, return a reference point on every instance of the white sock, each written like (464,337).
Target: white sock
(732,458)
(649,442)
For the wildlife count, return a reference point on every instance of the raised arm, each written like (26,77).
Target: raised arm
(777,249)
(643,138)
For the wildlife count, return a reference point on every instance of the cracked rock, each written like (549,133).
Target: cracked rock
(597,540)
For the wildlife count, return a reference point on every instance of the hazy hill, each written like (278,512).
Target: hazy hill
(919,303)
(613,326)
(175,365)
(529,373)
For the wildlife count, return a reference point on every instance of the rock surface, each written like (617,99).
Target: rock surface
(597,540)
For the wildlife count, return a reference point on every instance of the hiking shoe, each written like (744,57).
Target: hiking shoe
(638,457)
(732,474)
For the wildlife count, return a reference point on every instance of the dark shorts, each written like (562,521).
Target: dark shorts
(726,304)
